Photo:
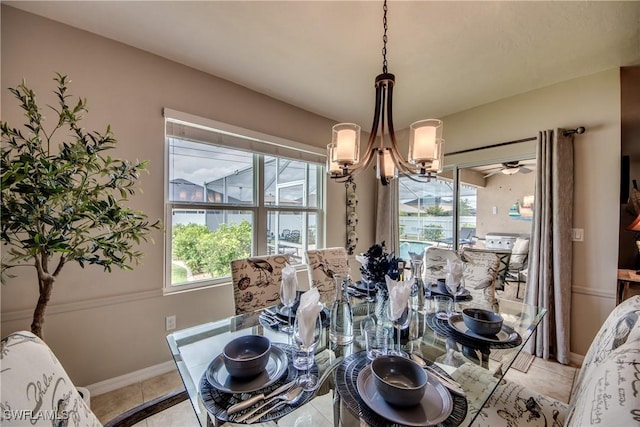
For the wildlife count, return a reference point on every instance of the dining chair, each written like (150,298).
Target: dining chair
(435,261)
(322,264)
(34,383)
(480,271)
(256,281)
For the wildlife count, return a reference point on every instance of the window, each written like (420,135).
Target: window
(234,193)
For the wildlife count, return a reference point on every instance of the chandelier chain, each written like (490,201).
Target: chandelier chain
(384,39)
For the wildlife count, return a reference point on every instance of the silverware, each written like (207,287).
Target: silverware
(449,383)
(273,318)
(284,396)
(258,397)
(289,398)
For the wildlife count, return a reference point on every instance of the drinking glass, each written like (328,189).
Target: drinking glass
(455,286)
(307,381)
(288,299)
(400,323)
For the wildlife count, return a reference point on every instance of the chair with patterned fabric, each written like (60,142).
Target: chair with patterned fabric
(435,261)
(480,271)
(605,392)
(322,264)
(37,391)
(256,281)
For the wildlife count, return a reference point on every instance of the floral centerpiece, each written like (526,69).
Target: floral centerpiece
(378,263)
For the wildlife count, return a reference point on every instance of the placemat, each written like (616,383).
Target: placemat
(442,327)
(346,378)
(217,402)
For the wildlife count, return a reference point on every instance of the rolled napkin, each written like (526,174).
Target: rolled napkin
(399,292)
(308,311)
(289,283)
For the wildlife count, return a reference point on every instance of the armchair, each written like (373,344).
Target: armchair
(36,390)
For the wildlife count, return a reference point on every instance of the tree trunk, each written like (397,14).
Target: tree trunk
(46,286)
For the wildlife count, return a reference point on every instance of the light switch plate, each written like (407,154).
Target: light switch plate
(577,234)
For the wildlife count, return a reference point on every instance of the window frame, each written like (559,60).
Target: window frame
(258,209)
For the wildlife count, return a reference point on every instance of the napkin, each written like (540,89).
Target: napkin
(454,271)
(399,291)
(362,260)
(308,311)
(289,283)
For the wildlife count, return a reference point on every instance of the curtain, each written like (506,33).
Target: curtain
(550,260)
(387,215)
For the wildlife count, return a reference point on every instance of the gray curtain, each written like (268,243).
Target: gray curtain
(550,258)
(387,215)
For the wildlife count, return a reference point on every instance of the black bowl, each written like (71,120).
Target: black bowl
(400,381)
(442,287)
(482,322)
(246,356)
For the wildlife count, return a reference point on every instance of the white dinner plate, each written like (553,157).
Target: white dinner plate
(219,377)
(436,404)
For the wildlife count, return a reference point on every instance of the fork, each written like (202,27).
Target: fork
(288,396)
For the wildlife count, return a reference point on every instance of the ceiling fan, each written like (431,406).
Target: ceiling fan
(510,168)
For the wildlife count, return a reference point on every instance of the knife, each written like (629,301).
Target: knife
(258,397)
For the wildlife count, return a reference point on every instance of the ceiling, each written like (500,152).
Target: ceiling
(323,56)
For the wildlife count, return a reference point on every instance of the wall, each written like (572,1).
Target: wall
(593,102)
(501,192)
(105,325)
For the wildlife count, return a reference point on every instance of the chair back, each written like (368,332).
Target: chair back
(256,281)
(435,261)
(33,379)
(481,270)
(322,264)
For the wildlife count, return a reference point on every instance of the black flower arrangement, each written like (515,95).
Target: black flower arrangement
(380,263)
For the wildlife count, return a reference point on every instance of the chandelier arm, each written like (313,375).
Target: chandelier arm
(401,164)
(419,178)
(370,151)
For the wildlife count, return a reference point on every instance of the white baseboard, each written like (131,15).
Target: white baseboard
(576,359)
(131,378)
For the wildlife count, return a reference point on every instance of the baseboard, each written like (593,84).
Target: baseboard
(131,378)
(576,359)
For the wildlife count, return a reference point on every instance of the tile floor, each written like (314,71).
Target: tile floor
(541,377)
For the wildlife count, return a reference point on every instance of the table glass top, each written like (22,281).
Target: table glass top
(477,365)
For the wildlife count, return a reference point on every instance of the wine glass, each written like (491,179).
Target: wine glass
(307,381)
(400,323)
(455,287)
(288,299)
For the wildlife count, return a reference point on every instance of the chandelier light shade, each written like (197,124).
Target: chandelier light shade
(426,145)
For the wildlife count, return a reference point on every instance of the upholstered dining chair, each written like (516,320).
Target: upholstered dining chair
(34,384)
(256,281)
(480,271)
(435,261)
(322,264)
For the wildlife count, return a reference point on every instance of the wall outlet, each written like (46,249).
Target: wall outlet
(170,322)
(577,234)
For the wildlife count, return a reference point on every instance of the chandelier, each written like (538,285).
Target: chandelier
(426,145)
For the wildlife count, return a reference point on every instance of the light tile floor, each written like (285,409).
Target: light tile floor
(541,377)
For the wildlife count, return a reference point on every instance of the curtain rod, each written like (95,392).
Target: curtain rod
(578,130)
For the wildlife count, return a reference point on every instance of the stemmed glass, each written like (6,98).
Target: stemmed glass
(307,381)
(400,323)
(455,287)
(288,299)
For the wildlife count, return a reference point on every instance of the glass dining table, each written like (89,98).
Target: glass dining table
(476,363)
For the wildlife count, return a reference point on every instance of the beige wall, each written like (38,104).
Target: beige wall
(104,325)
(591,101)
(501,192)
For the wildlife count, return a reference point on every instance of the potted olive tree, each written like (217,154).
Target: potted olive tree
(64,197)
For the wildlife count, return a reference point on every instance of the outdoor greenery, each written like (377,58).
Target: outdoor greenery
(211,252)
(437,210)
(433,232)
(63,196)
